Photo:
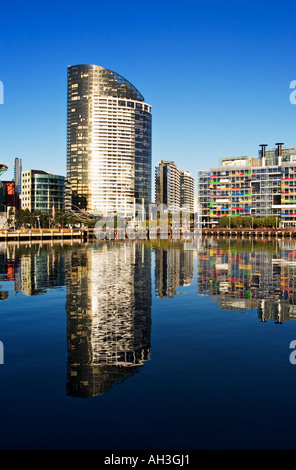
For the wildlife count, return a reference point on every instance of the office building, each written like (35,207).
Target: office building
(108,141)
(42,191)
(248,187)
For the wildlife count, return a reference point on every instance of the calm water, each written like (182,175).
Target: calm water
(133,346)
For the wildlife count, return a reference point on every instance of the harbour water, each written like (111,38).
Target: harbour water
(148,345)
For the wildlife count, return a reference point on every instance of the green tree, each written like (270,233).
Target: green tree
(224,221)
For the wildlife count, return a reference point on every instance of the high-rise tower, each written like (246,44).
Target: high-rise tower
(17,166)
(108,141)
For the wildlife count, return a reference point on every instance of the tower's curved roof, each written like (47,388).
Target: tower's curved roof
(123,84)
(110,83)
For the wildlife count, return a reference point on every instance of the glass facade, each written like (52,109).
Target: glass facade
(272,155)
(108,141)
(41,191)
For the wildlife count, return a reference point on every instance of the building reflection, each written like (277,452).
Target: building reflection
(173,268)
(108,316)
(32,268)
(108,294)
(246,276)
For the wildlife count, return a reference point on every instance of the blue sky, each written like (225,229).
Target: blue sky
(217,74)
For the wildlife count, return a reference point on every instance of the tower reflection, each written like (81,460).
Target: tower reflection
(108,316)
(173,268)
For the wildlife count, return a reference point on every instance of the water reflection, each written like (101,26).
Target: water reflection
(33,268)
(108,316)
(245,275)
(173,268)
(109,294)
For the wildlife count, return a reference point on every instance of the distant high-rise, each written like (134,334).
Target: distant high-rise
(17,165)
(167,184)
(173,187)
(108,141)
(187,190)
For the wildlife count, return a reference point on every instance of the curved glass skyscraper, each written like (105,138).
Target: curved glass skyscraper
(108,141)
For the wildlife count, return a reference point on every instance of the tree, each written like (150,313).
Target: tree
(224,221)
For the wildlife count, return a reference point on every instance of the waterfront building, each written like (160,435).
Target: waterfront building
(248,187)
(167,184)
(173,187)
(108,141)
(10,197)
(42,191)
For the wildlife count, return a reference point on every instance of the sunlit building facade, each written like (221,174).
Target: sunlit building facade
(42,191)
(173,187)
(187,190)
(109,141)
(250,187)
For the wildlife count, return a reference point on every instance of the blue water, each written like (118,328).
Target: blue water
(204,377)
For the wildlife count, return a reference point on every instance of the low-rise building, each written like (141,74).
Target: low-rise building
(42,191)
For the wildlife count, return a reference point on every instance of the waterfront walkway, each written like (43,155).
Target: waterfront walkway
(250,233)
(42,234)
(87,234)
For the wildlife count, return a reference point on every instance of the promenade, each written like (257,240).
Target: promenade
(42,234)
(249,232)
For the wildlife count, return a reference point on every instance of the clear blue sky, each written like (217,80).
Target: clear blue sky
(216,73)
